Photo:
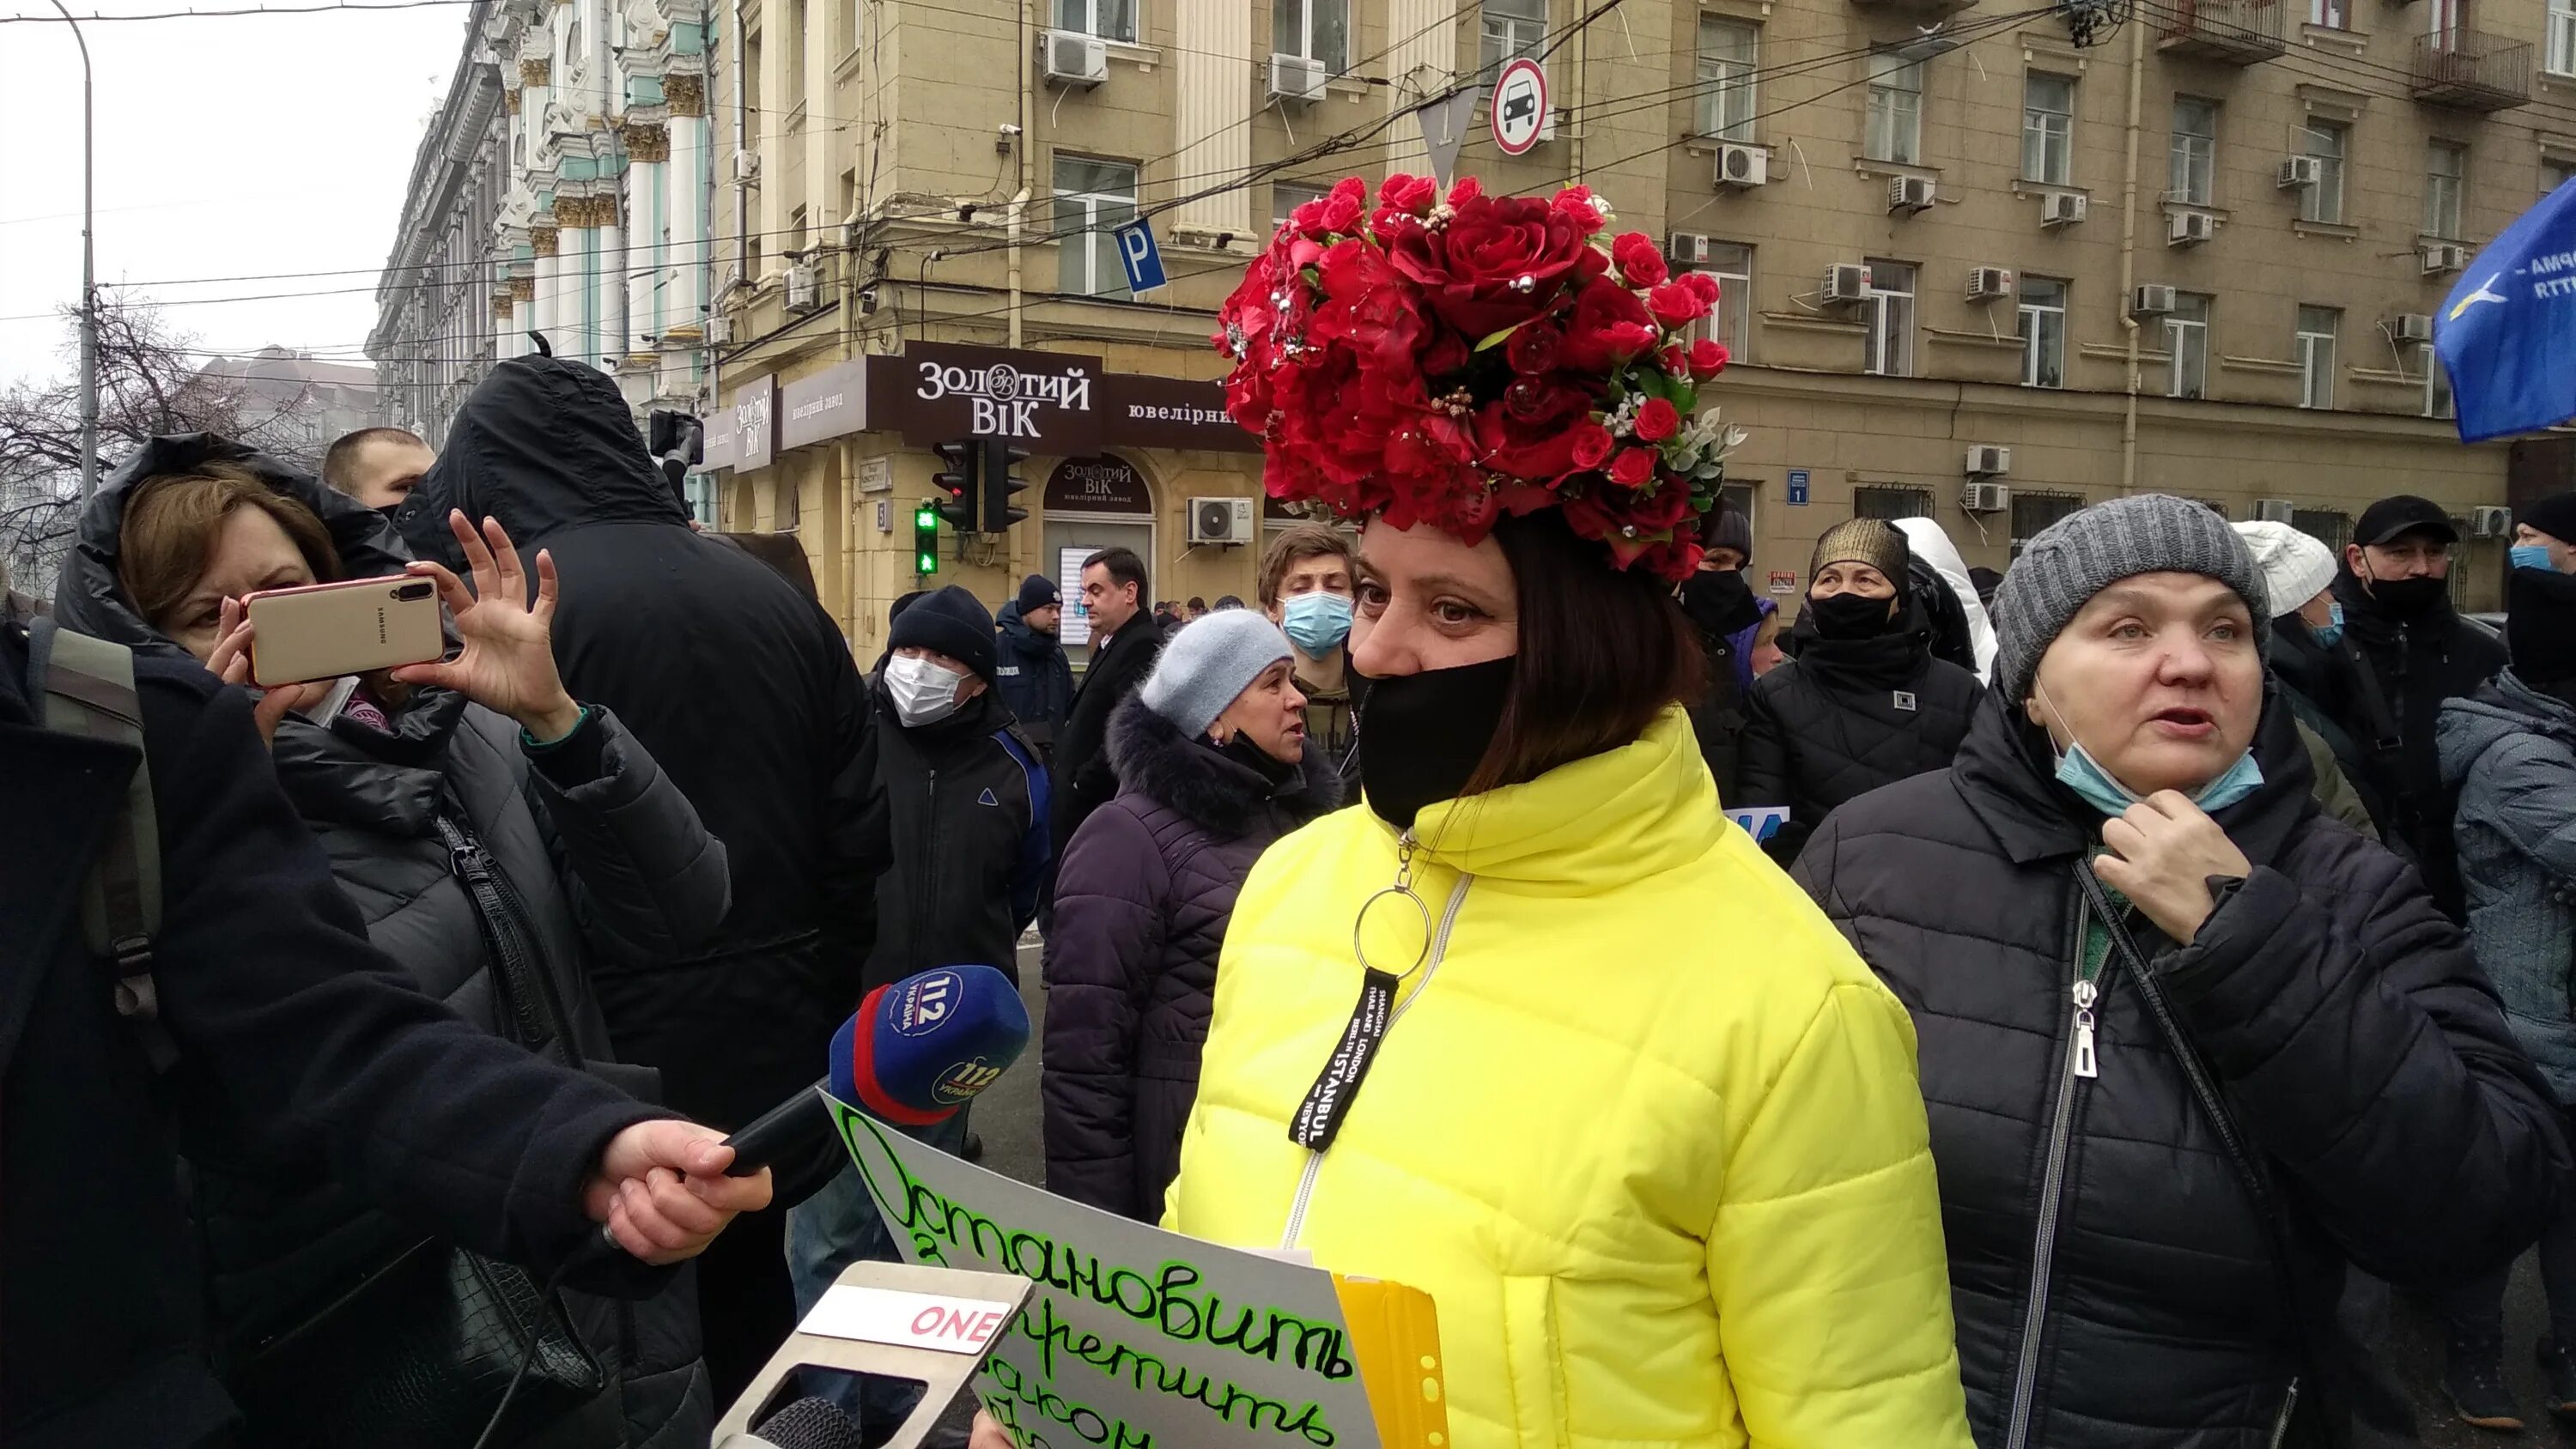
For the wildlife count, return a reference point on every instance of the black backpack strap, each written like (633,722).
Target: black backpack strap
(526,1008)
(87,688)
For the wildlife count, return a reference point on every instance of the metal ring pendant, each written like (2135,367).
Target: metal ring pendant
(1419,904)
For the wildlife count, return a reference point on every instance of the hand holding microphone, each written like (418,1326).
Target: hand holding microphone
(664,1189)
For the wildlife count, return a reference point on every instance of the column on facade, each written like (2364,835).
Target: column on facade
(648,155)
(613,336)
(1213,113)
(577,279)
(523,309)
(688,185)
(546,241)
(1425,57)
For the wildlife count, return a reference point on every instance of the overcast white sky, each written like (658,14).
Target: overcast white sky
(226,147)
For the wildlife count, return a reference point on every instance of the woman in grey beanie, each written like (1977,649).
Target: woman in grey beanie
(1212,767)
(2188,1047)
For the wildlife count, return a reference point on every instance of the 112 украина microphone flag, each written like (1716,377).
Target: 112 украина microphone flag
(2507,332)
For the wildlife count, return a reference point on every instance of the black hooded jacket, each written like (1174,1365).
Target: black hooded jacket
(739,685)
(1846,716)
(2104,1250)
(2321,685)
(966,800)
(2417,663)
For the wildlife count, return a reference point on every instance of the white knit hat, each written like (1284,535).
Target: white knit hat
(2296,567)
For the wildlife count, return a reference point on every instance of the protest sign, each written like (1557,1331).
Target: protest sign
(1132,1337)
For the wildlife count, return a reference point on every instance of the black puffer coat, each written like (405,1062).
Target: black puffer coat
(966,800)
(2321,684)
(1141,909)
(607,857)
(1846,716)
(2341,1019)
(1083,771)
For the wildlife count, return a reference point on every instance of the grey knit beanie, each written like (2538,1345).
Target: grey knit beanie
(2091,549)
(1213,659)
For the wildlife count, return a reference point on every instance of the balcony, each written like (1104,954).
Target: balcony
(2231,32)
(2471,70)
(1915,9)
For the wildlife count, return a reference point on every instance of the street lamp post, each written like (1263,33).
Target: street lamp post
(89,281)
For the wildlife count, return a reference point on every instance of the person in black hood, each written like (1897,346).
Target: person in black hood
(1032,674)
(2187,1049)
(1862,703)
(747,694)
(2413,652)
(1721,608)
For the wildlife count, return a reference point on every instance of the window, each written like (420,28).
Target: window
(572,51)
(1891,320)
(2043,332)
(1108,19)
(2325,525)
(1091,198)
(1315,29)
(2555,174)
(2559,55)
(2446,173)
(1287,196)
(2032,512)
(1731,320)
(1511,29)
(2438,402)
(1891,500)
(794,40)
(1895,115)
(2332,14)
(2187,338)
(2317,328)
(2325,141)
(2194,176)
(1726,70)
(2047,128)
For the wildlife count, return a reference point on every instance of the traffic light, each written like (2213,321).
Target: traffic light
(1000,483)
(959,484)
(925,536)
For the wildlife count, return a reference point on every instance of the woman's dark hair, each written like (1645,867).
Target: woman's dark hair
(1603,651)
(172,520)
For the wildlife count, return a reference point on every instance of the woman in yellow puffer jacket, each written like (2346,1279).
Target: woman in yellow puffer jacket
(1534,1028)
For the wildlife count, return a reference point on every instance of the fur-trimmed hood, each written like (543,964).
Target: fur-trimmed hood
(1154,758)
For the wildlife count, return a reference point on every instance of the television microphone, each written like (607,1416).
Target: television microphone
(914,1054)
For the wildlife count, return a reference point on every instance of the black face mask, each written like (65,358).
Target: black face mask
(1851,616)
(2409,598)
(1422,735)
(1719,601)
(1253,757)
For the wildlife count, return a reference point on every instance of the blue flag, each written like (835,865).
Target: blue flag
(2507,332)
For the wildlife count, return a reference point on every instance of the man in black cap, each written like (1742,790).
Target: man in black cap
(2415,651)
(2548,526)
(1033,675)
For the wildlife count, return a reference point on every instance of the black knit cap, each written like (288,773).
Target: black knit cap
(2554,515)
(952,622)
(1872,541)
(1037,591)
(2540,625)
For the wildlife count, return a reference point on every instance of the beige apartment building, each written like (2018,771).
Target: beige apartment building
(1980,263)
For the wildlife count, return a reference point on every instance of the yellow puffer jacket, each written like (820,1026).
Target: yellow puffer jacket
(1645,1128)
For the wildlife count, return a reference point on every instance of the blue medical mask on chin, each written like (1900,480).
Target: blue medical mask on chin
(2530,556)
(1316,623)
(2330,633)
(2078,771)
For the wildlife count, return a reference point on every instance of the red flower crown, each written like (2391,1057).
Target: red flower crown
(1450,362)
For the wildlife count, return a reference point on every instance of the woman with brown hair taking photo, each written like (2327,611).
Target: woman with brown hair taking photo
(1662,1190)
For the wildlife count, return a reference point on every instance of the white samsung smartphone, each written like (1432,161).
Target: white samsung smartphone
(322,631)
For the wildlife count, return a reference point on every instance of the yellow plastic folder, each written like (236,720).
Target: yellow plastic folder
(1395,1339)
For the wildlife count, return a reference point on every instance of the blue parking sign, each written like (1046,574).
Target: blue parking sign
(1137,254)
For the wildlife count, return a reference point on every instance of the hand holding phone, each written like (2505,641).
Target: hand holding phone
(231,664)
(323,631)
(508,663)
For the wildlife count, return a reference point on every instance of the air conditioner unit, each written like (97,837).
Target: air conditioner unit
(1985,460)
(2301,171)
(1743,166)
(1846,282)
(1221,520)
(746,167)
(1687,246)
(2411,327)
(2490,522)
(2441,257)
(1986,497)
(719,330)
(2275,510)
(1986,284)
(2151,300)
(804,288)
(2190,228)
(1909,193)
(2061,208)
(1076,59)
(1295,78)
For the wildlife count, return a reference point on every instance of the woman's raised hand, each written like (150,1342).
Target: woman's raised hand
(231,664)
(508,663)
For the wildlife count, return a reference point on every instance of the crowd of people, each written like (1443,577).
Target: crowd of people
(2165,955)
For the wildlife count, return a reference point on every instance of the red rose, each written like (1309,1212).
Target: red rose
(1578,206)
(1498,263)
(1704,286)
(1468,189)
(1707,360)
(1308,218)
(1675,305)
(1533,348)
(1592,444)
(1591,265)
(1663,511)
(1657,420)
(1345,205)
(1633,466)
(1412,195)
(1609,325)
(1672,360)
(1640,261)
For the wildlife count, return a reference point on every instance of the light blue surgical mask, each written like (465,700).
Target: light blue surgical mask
(2078,771)
(1316,623)
(2330,633)
(2530,556)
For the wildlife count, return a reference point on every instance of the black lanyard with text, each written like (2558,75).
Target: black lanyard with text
(1319,1117)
